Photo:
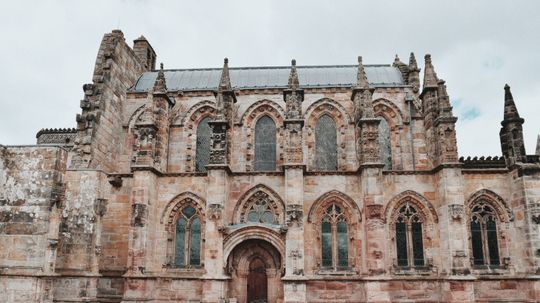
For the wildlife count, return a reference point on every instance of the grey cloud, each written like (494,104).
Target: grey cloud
(49,48)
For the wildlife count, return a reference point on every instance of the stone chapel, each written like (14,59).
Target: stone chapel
(267,184)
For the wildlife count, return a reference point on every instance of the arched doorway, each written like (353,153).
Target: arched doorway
(255,268)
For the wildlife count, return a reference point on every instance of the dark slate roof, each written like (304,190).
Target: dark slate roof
(271,77)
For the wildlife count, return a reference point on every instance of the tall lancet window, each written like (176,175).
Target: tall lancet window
(325,144)
(334,245)
(204,133)
(188,238)
(409,239)
(265,144)
(485,246)
(385,144)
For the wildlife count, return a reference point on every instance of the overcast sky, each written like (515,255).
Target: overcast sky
(48,50)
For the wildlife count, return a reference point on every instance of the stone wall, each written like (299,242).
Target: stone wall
(31,194)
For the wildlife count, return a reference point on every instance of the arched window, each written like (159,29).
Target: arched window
(409,237)
(384,143)
(485,246)
(265,144)
(334,239)
(325,144)
(204,133)
(188,238)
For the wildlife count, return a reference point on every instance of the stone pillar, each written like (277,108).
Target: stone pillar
(143,195)
(215,280)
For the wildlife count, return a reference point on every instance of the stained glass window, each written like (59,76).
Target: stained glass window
(334,238)
(188,238)
(409,237)
(384,143)
(325,144)
(326,240)
(484,239)
(265,144)
(204,133)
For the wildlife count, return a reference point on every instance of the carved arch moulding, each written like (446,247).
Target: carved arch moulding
(352,211)
(504,212)
(174,206)
(260,201)
(409,196)
(388,110)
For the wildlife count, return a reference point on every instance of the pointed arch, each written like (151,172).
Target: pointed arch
(191,122)
(260,107)
(333,108)
(261,195)
(333,195)
(504,212)
(423,205)
(249,120)
(387,109)
(176,203)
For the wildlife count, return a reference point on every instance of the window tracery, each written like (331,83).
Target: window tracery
(334,238)
(484,235)
(409,237)
(187,239)
(385,144)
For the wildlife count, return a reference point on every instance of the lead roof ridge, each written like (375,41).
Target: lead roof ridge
(268,67)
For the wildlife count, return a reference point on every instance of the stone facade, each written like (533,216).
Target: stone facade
(128,214)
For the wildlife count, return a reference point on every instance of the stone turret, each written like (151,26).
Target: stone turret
(293,122)
(403,68)
(145,53)
(511,133)
(152,127)
(369,149)
(225,97)
(414,74)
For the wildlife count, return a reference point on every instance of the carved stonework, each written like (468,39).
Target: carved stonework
(115,181)
(375,211)
(100,207)
(138,215)
(536,218)
(143,148)
(456,211)
(369,141)
(295,215)
(293,142)
(218,151)
(215,212)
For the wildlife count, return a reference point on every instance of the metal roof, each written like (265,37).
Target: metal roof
(272,77)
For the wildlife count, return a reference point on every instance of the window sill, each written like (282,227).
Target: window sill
(337,272)
(415,270)
(494,270)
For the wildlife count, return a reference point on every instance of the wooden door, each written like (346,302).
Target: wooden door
(257,282)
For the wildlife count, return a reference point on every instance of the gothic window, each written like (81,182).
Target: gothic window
(485,247)
(188,238)
(204,133)
(334,239)
(409,237)
(325,144)
(265,144)
(384,143)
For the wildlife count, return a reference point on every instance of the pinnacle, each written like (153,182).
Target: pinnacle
(430,77)
(362,81)
(294,83)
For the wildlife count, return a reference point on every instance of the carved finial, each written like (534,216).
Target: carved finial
(294,83)
(396,59)
(430,77)
(362,81)
(225,81)
(510,109)
(160,85)
(412,62)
